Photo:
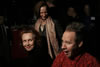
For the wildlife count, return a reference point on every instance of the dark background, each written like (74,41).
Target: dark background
(17,13)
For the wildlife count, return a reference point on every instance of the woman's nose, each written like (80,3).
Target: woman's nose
(27,43)
(44,14)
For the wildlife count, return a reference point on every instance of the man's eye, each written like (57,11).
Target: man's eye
(67,42)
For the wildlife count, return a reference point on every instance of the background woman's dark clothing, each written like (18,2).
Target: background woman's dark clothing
(45,46)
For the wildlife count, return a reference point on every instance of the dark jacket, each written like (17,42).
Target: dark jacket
(35,58)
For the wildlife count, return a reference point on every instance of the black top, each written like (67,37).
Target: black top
(45,46)
(35,58)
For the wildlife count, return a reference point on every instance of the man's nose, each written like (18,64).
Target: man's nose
(63,46)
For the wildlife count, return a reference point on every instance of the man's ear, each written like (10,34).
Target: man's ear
(80,44)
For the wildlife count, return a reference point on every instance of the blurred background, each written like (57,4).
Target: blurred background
(14,13)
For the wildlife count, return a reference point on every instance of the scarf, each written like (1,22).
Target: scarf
(50,34)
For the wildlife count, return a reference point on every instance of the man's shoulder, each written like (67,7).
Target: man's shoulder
(89,58)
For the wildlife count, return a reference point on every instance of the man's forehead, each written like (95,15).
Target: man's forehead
(68,34)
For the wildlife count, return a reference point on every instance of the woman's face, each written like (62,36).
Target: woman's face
(28,41)
(43,12)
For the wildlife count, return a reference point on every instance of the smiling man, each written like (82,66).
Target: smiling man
(72,54)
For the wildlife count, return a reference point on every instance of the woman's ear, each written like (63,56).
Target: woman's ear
(80,44)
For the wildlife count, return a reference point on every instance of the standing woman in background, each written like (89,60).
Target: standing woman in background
(48,29)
